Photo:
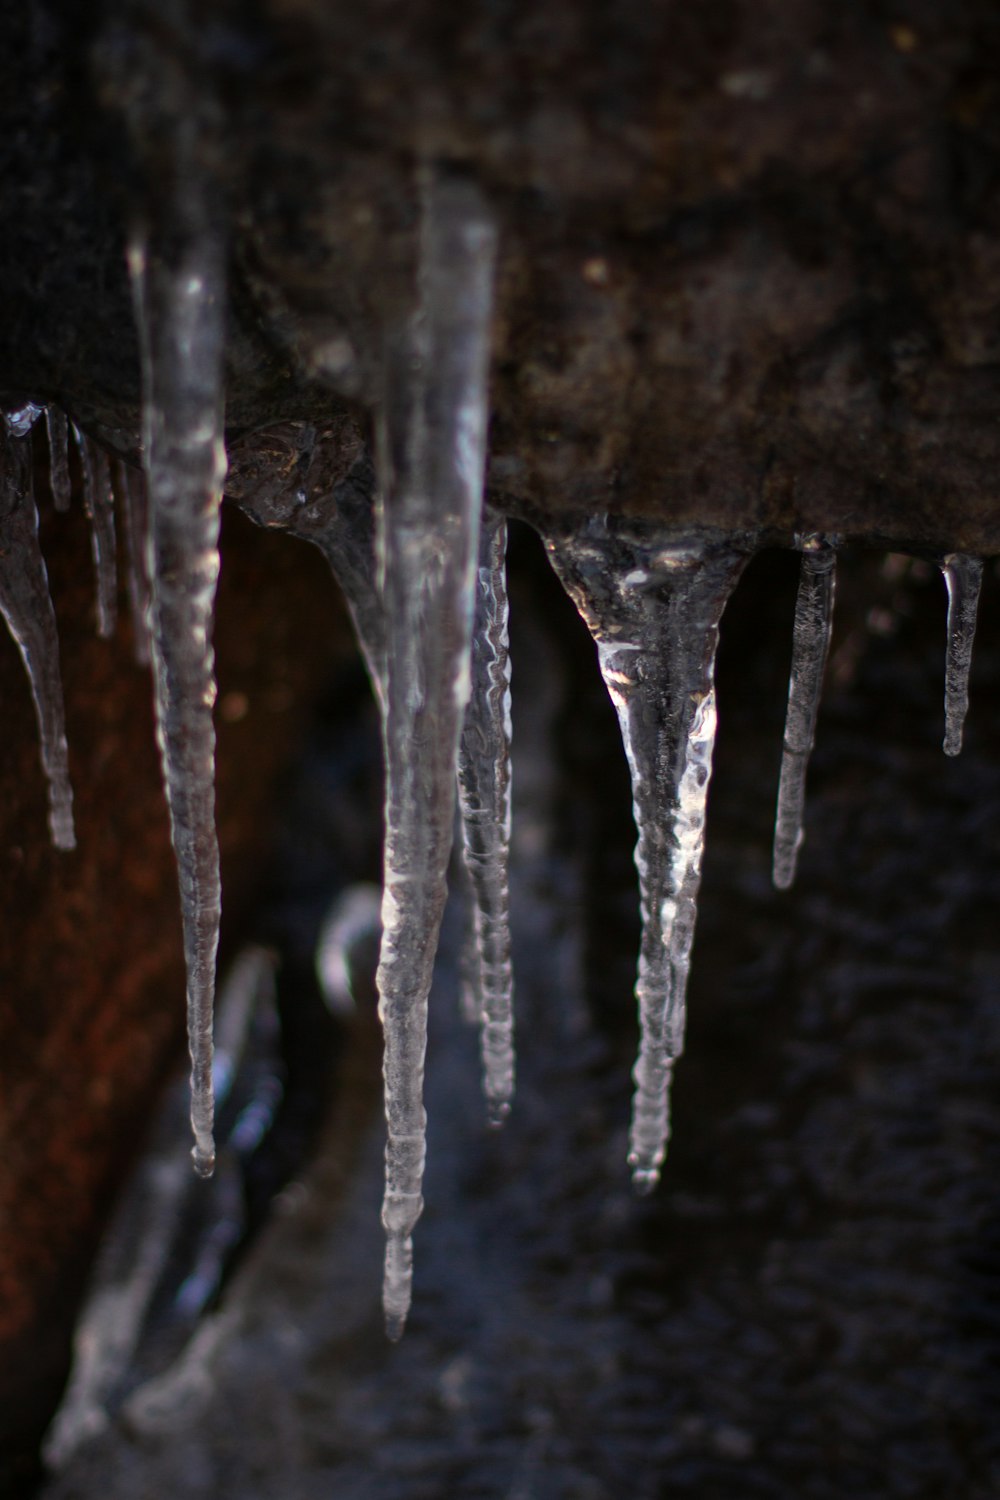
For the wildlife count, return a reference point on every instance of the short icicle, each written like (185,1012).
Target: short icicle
(99,504)
(963,576)
(178,279)
(131,489)
(59,480)
(484,796)
(653,599)
(26,606)
(431,432)
(810,647)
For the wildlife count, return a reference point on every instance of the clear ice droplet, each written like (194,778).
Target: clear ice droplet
(963,576)
(431,435)
(484,796)
(59,480)
(810,647)
(178,277)
(26,606)
(653,600)
(99,505)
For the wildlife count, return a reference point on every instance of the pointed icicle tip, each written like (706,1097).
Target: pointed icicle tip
(484,798)
(431,430)
(653,600)
(963,576)
(179,293)
(811,634)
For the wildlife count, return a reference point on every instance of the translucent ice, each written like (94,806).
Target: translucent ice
(963,575)
(20,419)
(131,488)
(27,608)
(59,480)
(484,794)
(431,433)
(98,502)
(652,600)
(179,289)
(810,646)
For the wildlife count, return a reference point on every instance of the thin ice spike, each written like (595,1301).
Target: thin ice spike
(59,480)
(810,648)
(131,489)
(484,796)
(431,452)
(26,606)
(178,278)
(653,600)
(99,505)
(963,576)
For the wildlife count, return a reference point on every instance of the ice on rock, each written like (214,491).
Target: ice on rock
(99,505)
(810,647)
(59,480)
(26,606)
(653,600)
(963,576)
(178,279)
(484,795)
(131,489)
(19,420)
(431,434)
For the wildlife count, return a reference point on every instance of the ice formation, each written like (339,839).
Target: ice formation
(59,480)
(653,600)
(99,505)
(26,606)
(810,647)
(431,434)
(484,795)
(178,279)
(131,490)
(963,576)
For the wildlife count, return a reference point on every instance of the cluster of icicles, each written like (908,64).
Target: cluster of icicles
(429,601)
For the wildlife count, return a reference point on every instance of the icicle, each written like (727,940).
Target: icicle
(653,600)
(59,480)
(431,442)
(27,608)
(99,505)
(21,419)
(484,790)
(178,281)
(810,645)
(964,576)
(131,488)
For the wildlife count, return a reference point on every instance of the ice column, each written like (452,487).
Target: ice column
(484,795)
(810,646)
(178,278)
(131,488)
(99,505)
(59,480)
(652,600)
(431,436)
(26,606)
(963,576)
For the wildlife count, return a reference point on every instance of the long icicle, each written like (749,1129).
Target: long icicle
(653,600)
(131,489)
(178,278)
(810,648)
(99,505)
(963,576)
(431,456)
(484,795)
(26,605)
(59,480)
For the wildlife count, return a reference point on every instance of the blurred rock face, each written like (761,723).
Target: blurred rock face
(749,264)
